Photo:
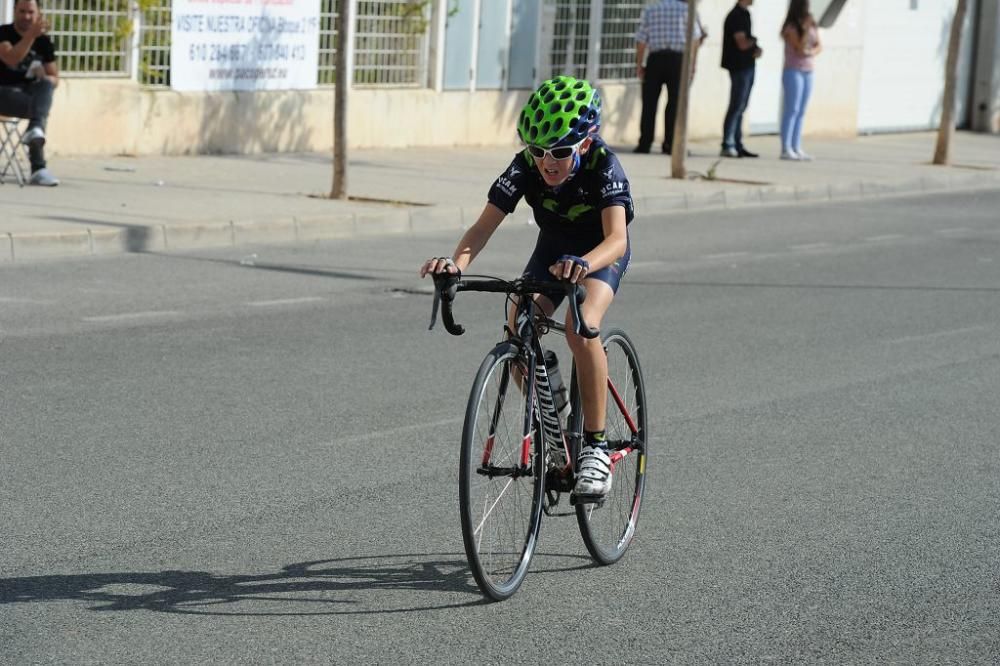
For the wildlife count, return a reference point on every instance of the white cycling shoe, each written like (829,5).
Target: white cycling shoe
(593,474)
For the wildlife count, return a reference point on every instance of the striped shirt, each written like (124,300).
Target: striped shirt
(664,26)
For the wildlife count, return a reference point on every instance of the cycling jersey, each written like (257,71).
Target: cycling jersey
(568,216)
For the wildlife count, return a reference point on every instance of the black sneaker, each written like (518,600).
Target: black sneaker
(743,152)
(641,149)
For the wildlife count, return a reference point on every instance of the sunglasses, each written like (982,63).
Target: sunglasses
(560,153)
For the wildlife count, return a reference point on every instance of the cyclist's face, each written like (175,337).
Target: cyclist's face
(555,172)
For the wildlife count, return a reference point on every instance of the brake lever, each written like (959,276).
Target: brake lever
(445,288)
(577,294)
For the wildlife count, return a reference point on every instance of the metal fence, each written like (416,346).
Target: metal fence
(619,23)
(154,43)
(570,38)
(131,38)
(595,38)
(391,44)
(92,36)
(329,14)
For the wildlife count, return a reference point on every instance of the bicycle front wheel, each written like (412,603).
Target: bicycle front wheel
(607,528)
(502,476)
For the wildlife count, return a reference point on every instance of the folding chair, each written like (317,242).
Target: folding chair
(11,151)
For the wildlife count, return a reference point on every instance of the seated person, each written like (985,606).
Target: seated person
(28,76)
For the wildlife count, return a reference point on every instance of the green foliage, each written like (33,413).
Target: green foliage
(102,38)
(416,14)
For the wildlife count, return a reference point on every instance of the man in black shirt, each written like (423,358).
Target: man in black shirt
(28,76)
(739,51)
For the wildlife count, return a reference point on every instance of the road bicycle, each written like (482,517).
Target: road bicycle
(518,453)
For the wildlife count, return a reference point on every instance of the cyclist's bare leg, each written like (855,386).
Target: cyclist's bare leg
(591,361)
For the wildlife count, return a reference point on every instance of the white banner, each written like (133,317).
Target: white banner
(244,44)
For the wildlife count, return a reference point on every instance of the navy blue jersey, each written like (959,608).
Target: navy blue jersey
(569,215)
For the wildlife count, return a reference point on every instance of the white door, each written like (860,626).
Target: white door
(902,64)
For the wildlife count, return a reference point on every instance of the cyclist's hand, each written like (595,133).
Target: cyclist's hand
(571,268)
(438,265)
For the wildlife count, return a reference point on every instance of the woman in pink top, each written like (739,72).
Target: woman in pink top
(801,35)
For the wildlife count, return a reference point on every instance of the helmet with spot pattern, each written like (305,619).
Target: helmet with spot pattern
(562,112)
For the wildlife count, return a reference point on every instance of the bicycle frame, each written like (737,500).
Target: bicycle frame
(520,480)
(529,325)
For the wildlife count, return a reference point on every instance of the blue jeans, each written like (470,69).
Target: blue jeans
(739,95)
(797,86)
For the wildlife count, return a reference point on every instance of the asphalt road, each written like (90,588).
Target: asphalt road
(251,456)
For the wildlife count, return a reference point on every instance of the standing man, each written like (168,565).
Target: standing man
(659,56)
(739,55)
(28,76)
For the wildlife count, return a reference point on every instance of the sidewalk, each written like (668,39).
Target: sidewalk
(121,204)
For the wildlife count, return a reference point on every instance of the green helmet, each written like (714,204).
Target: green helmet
(562,112)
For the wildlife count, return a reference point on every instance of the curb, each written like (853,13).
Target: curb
(19,247)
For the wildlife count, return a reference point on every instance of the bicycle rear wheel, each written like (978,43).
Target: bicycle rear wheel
(501,486)
(607,528)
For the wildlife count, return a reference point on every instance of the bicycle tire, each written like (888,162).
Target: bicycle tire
(501,513)
(608,528)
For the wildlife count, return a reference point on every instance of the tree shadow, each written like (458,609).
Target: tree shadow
(330,587)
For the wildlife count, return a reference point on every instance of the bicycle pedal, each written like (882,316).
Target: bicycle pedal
(553,514)
(599,500)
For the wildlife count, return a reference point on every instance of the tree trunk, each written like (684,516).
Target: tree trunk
(679,147)
(942,151)
(342,84)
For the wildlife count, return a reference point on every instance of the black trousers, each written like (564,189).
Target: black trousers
(663,68)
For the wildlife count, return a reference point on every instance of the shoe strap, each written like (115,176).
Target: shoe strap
(593,464)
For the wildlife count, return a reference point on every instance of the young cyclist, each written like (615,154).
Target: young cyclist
(580,198)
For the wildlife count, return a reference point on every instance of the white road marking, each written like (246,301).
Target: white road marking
(27,301)
(953,230)
(809,246)
(127,316)
(726,255)
(284,301)
(939,334)
(375,434)
(886,237)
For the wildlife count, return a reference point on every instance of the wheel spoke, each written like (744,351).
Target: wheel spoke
(501,507)
(608,528)
(488,511)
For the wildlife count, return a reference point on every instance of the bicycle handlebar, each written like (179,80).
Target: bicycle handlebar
(446,286)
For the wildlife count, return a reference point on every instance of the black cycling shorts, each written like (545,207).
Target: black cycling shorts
(548,253)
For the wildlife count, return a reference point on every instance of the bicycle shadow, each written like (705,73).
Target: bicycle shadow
(337,585)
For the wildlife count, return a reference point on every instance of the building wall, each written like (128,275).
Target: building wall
(986,82)
(902,78)
(113,116)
